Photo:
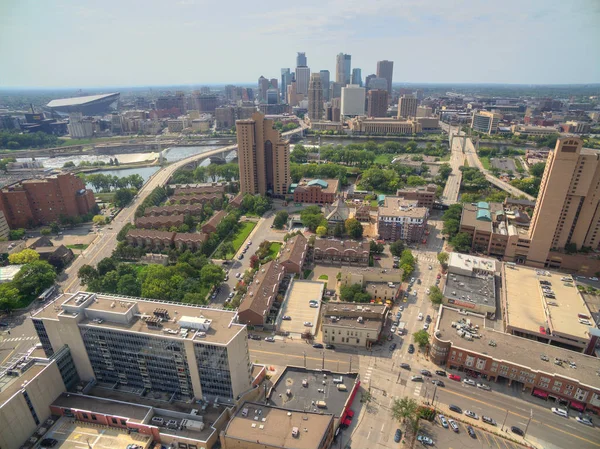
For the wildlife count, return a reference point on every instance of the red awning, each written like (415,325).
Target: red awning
(577,406)
(540,393)
(347,422)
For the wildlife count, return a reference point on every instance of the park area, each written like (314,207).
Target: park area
(234,241)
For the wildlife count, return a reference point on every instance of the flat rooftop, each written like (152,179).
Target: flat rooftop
(305,398)
(395,206)
(140,312)
(528,309)
(16,383)
(273,426)
(352,323)
(517,350)
(478,289)
(467,262)
(129,410)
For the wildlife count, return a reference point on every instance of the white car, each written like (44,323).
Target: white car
(308,324)
(560,412)
(585,421)
(238,275)
(425,326)
(469,382)
(471,414)
(414,293)
(428,291)
(420,317)
(593,278)
(453,425)
(401,308)
(484,387)
(443,421)
(393,329)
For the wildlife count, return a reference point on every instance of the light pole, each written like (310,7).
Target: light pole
(350,369)
(528,422)
(304,352)
(504,422)
(323,364)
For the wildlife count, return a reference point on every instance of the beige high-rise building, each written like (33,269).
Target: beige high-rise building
(315,97)
(567,211)
(264,157)
(407,106)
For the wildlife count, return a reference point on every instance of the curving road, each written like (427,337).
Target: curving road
(106,241)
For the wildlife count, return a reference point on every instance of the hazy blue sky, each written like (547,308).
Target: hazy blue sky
(74,43)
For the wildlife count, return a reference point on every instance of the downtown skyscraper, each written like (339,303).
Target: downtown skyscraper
(385,69)
(325,84)
(302,74)
(315,97)
(342,69)
(286,80)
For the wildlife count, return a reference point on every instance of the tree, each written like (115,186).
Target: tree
(280,219)
(375,248)
(55,227)
(353,228)
(396,248)
(24,256)
(537,170)
(405,409)
(444,171)
(46,232)
(86,274)
(461,242)
(435,295)
(69,164)
(443,259)
(338,231)
(122,234)
(99,219)
(254,262)
(451,227)
(105,265)
(321,231)
(123,197)
(9,296)
(211,275)
(34,278)
(16,234)
(129,285)
(421,338)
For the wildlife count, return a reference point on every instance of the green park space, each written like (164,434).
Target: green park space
(274,249)
(79,246)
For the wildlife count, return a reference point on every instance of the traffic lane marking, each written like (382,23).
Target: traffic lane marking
(90,260)
(299,356)
(521,416)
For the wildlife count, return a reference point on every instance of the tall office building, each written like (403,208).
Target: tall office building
(272,96)
(315,97)
(485,122)
(302,80)
(353,101)
(325,84)
(357,77)
(385,69)
(263,86)
(567,211)
(301,59)
(378,83)
(185,351)
(264,157)
(407,106)
(368,80)
(342,69)
(377,103)
(335,90)
(286,79)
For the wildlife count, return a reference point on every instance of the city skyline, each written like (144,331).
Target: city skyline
(94,51)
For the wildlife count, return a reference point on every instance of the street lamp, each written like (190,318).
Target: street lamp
(503,422)
(528,422)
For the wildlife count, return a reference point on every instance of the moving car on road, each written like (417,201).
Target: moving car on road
(417,378)
(584,420)
(329,347)
(437,382)
(484,387)
(425,372)
(440,372)
(318,346)
(469,382)
(397,435)
(454,377)
(270,339)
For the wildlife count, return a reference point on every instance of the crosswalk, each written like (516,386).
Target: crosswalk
(417,391)
(20,339)
(427,257)
(367,377)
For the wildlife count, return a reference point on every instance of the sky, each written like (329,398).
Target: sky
(75,44)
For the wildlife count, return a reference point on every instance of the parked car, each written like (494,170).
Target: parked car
(584,420)
(428,319)
(425,440)
(420,317)
(401,308)
(241,256)
(48,442)
(411,348)
(393,329)
(594,278)
(469,382)
(231,295)
(443,421)
(455,408)
(425,326)
(453,425)
(488,420)
(329,347)
(318,346)
(440,372)
(425,372)
(454,377)
(471,414)
(397,435)
(517,430)
(405,366)
(560,412)
(314,305)
(471,432)
(437,382)
(254,337)
(308,324)
(484,387)
(417,378)
(392,346)
(270,339)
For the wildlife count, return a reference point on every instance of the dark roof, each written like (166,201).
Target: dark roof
(263,290)
(294,250)
(41,242)
(148,233)
(215,219)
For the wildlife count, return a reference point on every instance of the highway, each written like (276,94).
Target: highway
(457,157)
(106,241)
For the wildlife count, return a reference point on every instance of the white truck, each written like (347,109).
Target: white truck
(401,328)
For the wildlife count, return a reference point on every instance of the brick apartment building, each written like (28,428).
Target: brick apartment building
(197,198)
(316,191)
(261,295)
(400,219)
(215,220)
(424,195)
(161,221)
(34,202)
(341,252)
(178,209)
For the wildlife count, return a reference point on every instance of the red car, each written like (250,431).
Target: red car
(454,377)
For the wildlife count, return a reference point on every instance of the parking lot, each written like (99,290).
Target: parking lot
(446,438)
(79,435)
(296,305)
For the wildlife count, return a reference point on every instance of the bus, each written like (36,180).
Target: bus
(46,294)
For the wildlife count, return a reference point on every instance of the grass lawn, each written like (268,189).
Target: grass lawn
(274,249)
(485,161)
(324,277)
(306,273)
(242,234)
(374,203)
(81,246)
(383,159)
(518,164)
(105,197)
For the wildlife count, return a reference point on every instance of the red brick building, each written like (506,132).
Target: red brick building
(316,191)
(34,202)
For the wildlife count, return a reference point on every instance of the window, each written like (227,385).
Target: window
(123,422)
(114,420)
(94,417)
(85,416)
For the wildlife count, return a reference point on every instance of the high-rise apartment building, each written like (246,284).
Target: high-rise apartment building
(325,84)
(302,80)
(385,69)
(342,68)
(263,86)
(377,103)
(424,111)
(407,106)
(264,157)
(301,59)
(353,101)
(188,352)
(357,77)
(315,97)
(286,79)
(567,211)
(485,122)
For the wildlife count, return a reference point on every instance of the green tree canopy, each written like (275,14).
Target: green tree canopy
(34,278)
(353,228)
(24,256)
(396,248)
(421,337)
(281,218)
(435,295)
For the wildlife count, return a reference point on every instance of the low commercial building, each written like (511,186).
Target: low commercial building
(58,256)
(326,126)
(211,225)
(261,294)
(400,219)
(524,130)
(383,125)
(293,254)
(260,426)
(316,191)
(423,195)
(463,341)
(382,285)
(471,283)
(8,273)
(428,124)
(341,252)
(353,324)
(160,221)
